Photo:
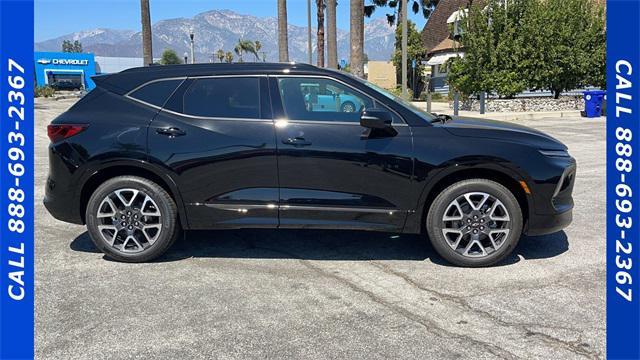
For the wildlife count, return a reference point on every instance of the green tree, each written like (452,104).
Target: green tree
(169,57)
(71,47)
(596,42)
(558,49)
(426,6)
(228,57)
(245,46)
(257,45)
(67,46)
(415,51)
(554,45)
(77,46)
(492,44)
(220,55)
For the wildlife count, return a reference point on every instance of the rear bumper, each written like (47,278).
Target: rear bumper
(61,193)
(61,204)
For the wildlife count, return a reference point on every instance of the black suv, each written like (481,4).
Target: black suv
(155,150)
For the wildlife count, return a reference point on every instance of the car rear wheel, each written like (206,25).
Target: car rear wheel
(132,219)
(474,223)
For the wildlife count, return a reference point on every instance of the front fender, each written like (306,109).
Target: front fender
(462,167)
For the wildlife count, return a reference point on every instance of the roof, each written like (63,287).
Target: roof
(129,79)
(445,46)
(437,29)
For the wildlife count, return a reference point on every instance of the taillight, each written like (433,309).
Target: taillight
(57,132)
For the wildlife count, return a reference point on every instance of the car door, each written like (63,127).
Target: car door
(215,135)
(331,173)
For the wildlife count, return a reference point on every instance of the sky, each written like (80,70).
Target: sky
(54,18)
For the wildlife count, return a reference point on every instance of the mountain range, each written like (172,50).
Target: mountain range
(221,29)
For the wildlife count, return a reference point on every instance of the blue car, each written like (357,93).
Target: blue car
(329,98)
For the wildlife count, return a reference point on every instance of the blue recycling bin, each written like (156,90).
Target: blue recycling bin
(593,103)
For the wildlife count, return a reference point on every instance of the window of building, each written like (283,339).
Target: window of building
(157,92)
(225,97)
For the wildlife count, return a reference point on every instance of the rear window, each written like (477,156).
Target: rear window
(157,92)
(235,97)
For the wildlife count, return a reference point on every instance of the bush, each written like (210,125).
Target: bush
(169,57)
(44,91)
(398,92)
(438,97)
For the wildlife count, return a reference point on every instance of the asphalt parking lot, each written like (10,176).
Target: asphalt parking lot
(327,294)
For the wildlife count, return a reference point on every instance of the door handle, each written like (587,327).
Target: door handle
(171,132)
(296,141)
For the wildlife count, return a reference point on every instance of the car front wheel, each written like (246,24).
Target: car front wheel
(348,107)
(132,219)
(474,223)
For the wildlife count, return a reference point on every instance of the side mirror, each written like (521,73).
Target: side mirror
(376,119)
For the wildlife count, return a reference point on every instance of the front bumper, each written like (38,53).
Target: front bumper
(555,212)
(548,224)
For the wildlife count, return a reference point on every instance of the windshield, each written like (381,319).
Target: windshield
(422,113)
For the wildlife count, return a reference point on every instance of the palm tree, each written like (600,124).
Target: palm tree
(228,57)
(395,17)
(283,38)
(145,16)
(238,50)
(320,43)
(257,45)
(357,37)
(245,46)
(332,42)
(220,55)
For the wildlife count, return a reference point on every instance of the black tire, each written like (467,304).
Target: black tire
(437,210)
(346,105)
(170,226)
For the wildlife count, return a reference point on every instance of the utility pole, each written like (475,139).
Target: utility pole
(309,47)
(405,93)
(193,57)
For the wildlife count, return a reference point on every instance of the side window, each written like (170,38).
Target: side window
(157,92)
(225,97)
(321,100)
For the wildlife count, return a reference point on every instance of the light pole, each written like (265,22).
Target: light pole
(186,57)
(193,58)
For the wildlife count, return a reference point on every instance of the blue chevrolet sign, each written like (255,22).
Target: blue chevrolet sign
(56,67)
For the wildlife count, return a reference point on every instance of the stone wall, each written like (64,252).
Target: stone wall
(532,104)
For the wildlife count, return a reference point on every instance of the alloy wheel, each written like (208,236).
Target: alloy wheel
(348,107)
(129,220)
(476,224)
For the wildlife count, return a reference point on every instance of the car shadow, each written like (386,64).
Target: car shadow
(327,245)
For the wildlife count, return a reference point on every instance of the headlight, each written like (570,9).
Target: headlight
(555,153)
